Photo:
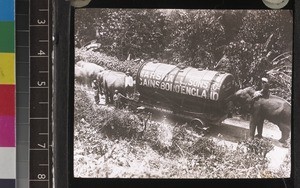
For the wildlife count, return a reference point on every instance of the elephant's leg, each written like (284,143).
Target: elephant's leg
(252,128)
(260,124)
(256,121)
(285,132)
(106,97)
(85,82)
(111,97)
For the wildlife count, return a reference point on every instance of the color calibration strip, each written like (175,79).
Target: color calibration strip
(7,95)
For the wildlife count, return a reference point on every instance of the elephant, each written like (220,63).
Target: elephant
(87,71)
(275,109)
(109,81)
(80,75)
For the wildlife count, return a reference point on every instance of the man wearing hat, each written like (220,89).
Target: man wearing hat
(265,91)
(96,91)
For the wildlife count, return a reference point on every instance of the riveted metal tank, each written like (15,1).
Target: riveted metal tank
(187,88)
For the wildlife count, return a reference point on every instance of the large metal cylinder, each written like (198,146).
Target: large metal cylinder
(188,87)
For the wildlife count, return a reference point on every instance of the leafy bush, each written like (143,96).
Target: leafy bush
(121,123)
(205,147)
(219,161)
(112,122)
(108,62)
(191,36)
(258,146)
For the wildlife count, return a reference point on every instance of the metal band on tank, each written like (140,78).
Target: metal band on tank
(187,71)
(167,75)
(226,75)
(138,75)
(192,68)
(175,76)
(212,81)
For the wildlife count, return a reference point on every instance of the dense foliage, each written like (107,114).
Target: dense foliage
(248,44)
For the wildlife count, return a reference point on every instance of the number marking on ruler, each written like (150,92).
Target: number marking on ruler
(39,93)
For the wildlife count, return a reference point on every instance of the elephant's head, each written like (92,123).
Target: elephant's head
(242,98)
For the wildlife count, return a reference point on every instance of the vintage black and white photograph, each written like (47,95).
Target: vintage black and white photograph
(182,93)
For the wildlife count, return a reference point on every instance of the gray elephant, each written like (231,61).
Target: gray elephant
(109,81)
(275,109)
(87,72)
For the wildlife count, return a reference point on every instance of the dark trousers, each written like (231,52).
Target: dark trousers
(96,96)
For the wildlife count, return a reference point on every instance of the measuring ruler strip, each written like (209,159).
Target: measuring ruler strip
(40,151)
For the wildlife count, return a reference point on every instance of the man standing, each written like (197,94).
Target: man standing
(265,92)
(265,89)
(95,88)
(117,97)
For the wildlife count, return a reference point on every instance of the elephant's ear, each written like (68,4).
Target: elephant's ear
(248,97)
(250,92)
